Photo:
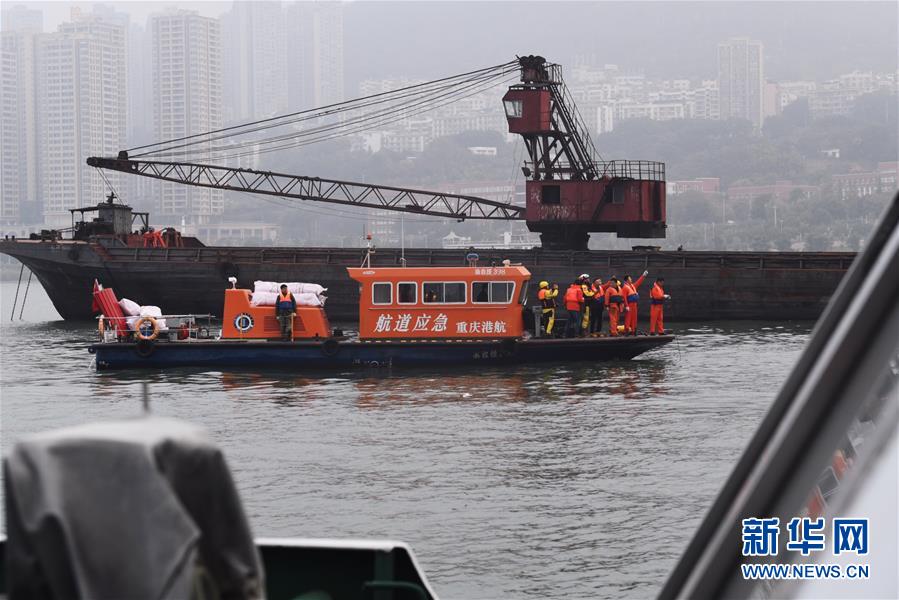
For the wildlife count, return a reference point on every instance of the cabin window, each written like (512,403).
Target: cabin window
(406,292)
(494,292)
(443,293)
(454,293)
(381,293)
(513,108)
(523,296)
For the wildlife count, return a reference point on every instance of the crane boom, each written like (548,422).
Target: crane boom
(570,192)
(437,204)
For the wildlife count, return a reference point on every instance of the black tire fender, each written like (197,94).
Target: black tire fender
(330,347)
(144,348)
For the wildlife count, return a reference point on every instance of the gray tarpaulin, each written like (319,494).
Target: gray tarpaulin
(138,509)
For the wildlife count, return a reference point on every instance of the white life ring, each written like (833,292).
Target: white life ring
(243,322)
(140,334)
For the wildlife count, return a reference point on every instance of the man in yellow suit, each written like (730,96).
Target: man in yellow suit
(547,296)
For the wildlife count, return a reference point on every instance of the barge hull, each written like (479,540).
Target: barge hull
(313,356)
(703,285)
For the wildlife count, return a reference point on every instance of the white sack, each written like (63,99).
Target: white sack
(294,287)
(308,299)
(264,298)
(265,286)
(306,288)
(150,311)
(129,307)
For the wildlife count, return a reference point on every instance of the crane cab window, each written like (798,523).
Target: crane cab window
(443,292)
(493,292)
(513,108)
(406,292)
(381,293)
(551,194)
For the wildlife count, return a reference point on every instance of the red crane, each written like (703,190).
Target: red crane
(570,191)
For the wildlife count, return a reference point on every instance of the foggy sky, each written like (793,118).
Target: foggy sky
(803,40)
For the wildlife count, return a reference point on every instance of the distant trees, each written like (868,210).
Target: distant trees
(789,146)
(694,207)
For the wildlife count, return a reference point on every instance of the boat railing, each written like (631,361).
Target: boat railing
(112,328)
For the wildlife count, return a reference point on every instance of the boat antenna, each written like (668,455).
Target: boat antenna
(403,239)
(369,250)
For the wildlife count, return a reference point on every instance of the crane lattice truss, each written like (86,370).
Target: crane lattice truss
(299,187)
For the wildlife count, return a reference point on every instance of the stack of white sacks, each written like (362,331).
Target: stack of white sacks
(134,312)
(265,293)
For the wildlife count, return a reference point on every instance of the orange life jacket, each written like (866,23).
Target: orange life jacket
(657,294)
(613,295)
(284,301)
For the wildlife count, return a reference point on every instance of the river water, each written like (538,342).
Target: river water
(581,481)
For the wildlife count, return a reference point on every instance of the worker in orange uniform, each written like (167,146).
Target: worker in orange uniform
(574,301)
(614,304)
(547,296)
(589,297)
(285,309)
(631,297)
(657,297)
(599,291)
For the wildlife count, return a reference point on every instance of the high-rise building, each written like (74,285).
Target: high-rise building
(18,139)
(741,80)
(21,18)
(187,100)
(140,86)
(255,61)
(19,197)
(81,87)
(315,59)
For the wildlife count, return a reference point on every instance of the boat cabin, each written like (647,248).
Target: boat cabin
(241,320)
(441,302)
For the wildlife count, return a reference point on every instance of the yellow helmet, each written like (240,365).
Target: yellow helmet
(544,284)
